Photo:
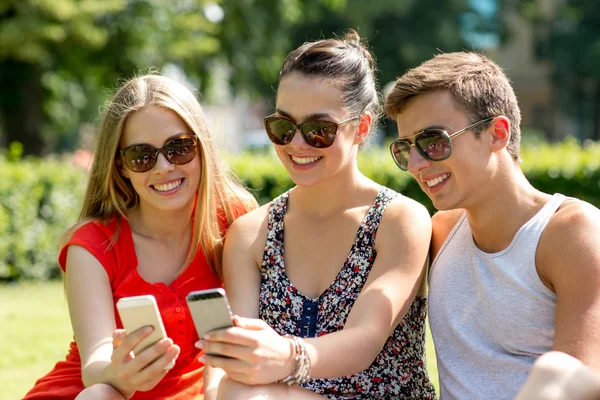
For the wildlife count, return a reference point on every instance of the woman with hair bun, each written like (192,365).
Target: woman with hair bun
(341,313)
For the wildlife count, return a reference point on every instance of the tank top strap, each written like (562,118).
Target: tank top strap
(368,228)
(273,254)
(541,219)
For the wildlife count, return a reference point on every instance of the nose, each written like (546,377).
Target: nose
(162,164)
(416,162)
(298,140)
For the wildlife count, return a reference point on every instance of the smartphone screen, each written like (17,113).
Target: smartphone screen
(210,310)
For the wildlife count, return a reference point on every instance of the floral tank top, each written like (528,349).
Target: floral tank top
(399,370)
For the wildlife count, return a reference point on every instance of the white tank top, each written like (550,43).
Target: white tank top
(490,314)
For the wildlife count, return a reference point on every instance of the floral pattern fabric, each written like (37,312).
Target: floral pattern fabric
(399,370)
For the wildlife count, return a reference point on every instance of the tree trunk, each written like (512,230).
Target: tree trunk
(21,105)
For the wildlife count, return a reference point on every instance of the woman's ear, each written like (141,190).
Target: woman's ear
(500,130)
(364,127)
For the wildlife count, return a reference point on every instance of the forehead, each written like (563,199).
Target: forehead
(300,95)
(435,109)
(152,125)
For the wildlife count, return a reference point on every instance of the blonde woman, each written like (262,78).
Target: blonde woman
(155,212)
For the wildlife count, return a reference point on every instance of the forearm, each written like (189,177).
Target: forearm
(343,353)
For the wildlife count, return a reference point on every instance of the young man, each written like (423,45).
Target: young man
(515,272)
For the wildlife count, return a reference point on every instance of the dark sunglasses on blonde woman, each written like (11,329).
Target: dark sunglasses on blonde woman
(142,157)
(316,133)
(433,144)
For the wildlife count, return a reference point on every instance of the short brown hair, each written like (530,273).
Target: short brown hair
(478,85)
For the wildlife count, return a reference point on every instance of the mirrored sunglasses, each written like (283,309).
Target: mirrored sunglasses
(432,144)
(316,133)
(142,157)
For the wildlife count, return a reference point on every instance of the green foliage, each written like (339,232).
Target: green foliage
(40,198)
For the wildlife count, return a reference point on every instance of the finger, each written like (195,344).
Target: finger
(118,336)
(156,369)
(235,335)
(127,345)
(249,323)
(229,365)
(145,357)
(223,349)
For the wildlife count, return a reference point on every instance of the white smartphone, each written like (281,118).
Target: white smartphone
(210,310)
(137,312)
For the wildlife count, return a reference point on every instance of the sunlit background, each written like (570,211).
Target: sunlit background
(60,61)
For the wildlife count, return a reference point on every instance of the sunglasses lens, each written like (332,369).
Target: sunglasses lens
(400,151)
(435,144)
(180,151)
(319,134)
(280,130)
(140,158)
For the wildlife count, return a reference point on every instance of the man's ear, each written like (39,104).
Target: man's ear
(500,131)
(364,127)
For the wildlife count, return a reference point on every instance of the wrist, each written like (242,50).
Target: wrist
(302,366)
(290,364)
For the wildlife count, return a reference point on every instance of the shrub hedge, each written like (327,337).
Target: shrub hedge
(40,198)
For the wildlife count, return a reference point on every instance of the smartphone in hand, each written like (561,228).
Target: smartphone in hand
(137,312)
(210,310)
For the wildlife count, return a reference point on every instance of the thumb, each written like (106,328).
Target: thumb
(118,336)
(255,324)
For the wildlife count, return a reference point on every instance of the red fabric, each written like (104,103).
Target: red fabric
(185,380)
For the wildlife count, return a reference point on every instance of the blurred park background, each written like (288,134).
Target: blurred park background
(60,60)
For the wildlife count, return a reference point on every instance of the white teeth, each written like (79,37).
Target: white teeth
(168,186)
(437,180)
(305,160)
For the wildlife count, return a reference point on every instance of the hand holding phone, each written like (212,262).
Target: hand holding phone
(210,310)
(137,312)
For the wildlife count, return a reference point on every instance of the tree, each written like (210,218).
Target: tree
(568,37)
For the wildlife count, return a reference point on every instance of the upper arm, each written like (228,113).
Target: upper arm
(568,259)
(242,256)
(91,308)
(442,223)
(402,245)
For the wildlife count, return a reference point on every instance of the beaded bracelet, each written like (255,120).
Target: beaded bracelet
(301,372)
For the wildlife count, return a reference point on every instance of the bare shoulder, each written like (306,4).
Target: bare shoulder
(406,217)
(250,229)
(442,224)
(571,238)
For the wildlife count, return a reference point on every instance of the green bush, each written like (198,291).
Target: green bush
(40,199)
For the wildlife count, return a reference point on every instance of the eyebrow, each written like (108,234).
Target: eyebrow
(440,127)
(175,136)
(310,116)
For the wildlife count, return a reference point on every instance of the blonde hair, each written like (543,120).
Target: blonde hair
(220,195)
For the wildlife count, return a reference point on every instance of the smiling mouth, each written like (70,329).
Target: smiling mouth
(167,186)
(305,160)
(436,181)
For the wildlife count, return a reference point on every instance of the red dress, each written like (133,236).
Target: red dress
(185,380)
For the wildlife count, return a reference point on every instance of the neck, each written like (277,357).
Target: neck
(169,227)
(331,195)
(507,204)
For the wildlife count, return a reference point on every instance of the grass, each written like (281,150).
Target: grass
(35,333)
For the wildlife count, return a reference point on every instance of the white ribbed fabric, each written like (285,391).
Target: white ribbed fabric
(490,314)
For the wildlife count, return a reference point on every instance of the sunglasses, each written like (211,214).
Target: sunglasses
(142,157)
(316,133)
(433,144)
